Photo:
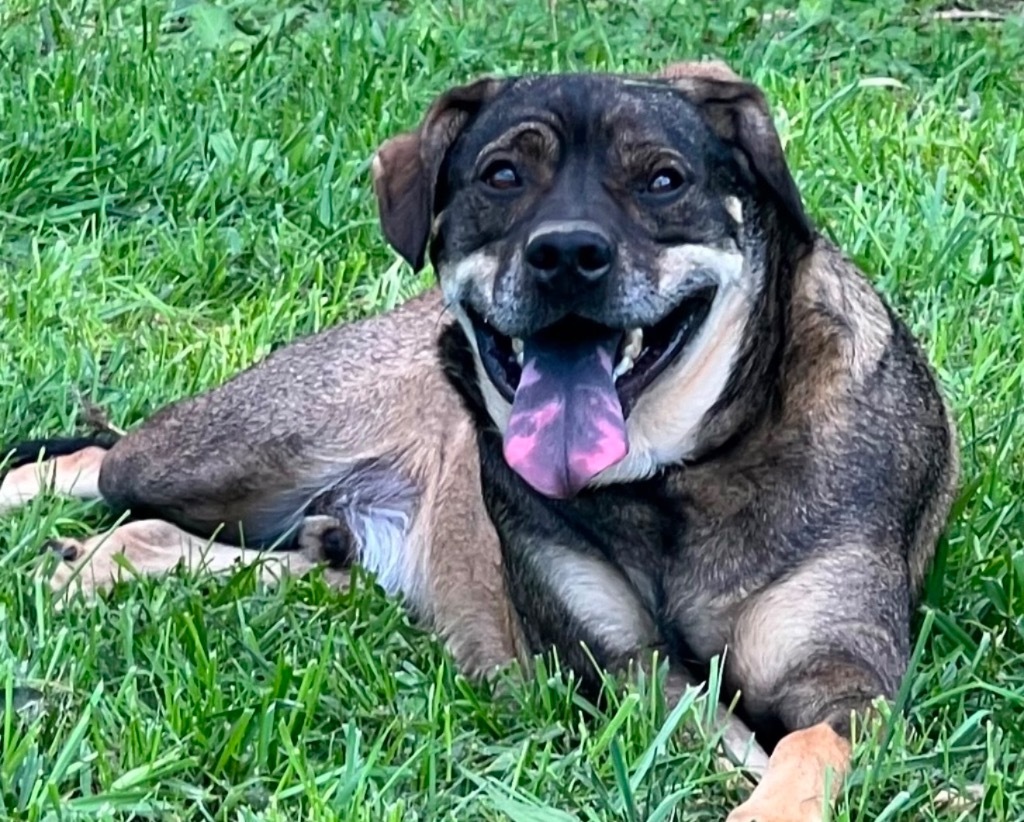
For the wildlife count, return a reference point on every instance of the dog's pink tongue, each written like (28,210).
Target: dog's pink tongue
(567,424)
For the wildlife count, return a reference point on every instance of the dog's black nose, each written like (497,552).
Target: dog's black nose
(568,255)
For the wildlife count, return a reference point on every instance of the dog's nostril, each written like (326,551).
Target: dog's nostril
(594,258)
(543,256)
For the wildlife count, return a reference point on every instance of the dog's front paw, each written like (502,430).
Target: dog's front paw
(802,780)
(782,809)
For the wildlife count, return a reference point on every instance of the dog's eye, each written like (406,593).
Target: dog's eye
(501,175)
(665,181)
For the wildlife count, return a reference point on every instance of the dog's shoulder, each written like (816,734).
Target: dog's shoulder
(839,328)
(860,396)
(847,350)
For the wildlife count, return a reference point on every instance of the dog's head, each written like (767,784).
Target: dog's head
(602,239)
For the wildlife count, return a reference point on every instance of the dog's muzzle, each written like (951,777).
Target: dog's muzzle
(567,257)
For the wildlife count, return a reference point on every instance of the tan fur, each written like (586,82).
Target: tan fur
(603,599)
(805,775)
(154,547)
(678,264)
(692,69)
(823,281)
(667,423)
(479,270)
(459,592)
(836,363)
(71,475)
(786,620)
(463,573)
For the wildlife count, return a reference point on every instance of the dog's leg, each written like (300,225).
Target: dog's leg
(357,422)
(153,547)
(468,603)
(740,748)
(74,474)
(804,775)
(812,649)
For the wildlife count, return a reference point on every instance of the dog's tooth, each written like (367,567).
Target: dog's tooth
(735,208)
(624,366)
(519,358)
(634,343)
(517,345)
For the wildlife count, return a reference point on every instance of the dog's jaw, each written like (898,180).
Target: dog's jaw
(665,423)
(477,270)
(498,408)
(665,426)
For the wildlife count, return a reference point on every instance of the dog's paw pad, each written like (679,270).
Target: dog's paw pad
(327,539)
(338,547)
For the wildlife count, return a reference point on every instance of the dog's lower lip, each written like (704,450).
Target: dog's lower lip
(497,355)
(661,344)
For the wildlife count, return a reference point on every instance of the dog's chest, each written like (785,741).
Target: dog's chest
(623,568)
(586,570)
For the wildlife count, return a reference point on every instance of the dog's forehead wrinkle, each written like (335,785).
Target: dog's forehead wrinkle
(582,104)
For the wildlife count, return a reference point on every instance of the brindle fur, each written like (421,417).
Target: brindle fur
(793,531)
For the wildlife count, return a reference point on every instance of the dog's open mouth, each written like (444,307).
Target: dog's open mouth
(572,386)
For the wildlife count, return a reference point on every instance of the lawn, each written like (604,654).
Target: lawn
(182,192)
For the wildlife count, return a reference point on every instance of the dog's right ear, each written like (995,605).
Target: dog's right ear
(406,167)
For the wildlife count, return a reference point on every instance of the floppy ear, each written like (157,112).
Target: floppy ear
(738,113)
(406,167)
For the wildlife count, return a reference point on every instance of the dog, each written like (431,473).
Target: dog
(647,407)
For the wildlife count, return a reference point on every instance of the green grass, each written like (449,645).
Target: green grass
(179,193)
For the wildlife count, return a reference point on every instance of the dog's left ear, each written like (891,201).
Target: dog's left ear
(406,167)
(738,113)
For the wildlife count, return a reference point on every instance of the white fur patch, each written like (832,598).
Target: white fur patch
(378,505)
(735,208)
(600,597)
(477,270)
(498,407)
(679,264)
(479,267)
(381,534)
(560,226)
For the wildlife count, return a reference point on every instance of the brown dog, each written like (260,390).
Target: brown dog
(669,415)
